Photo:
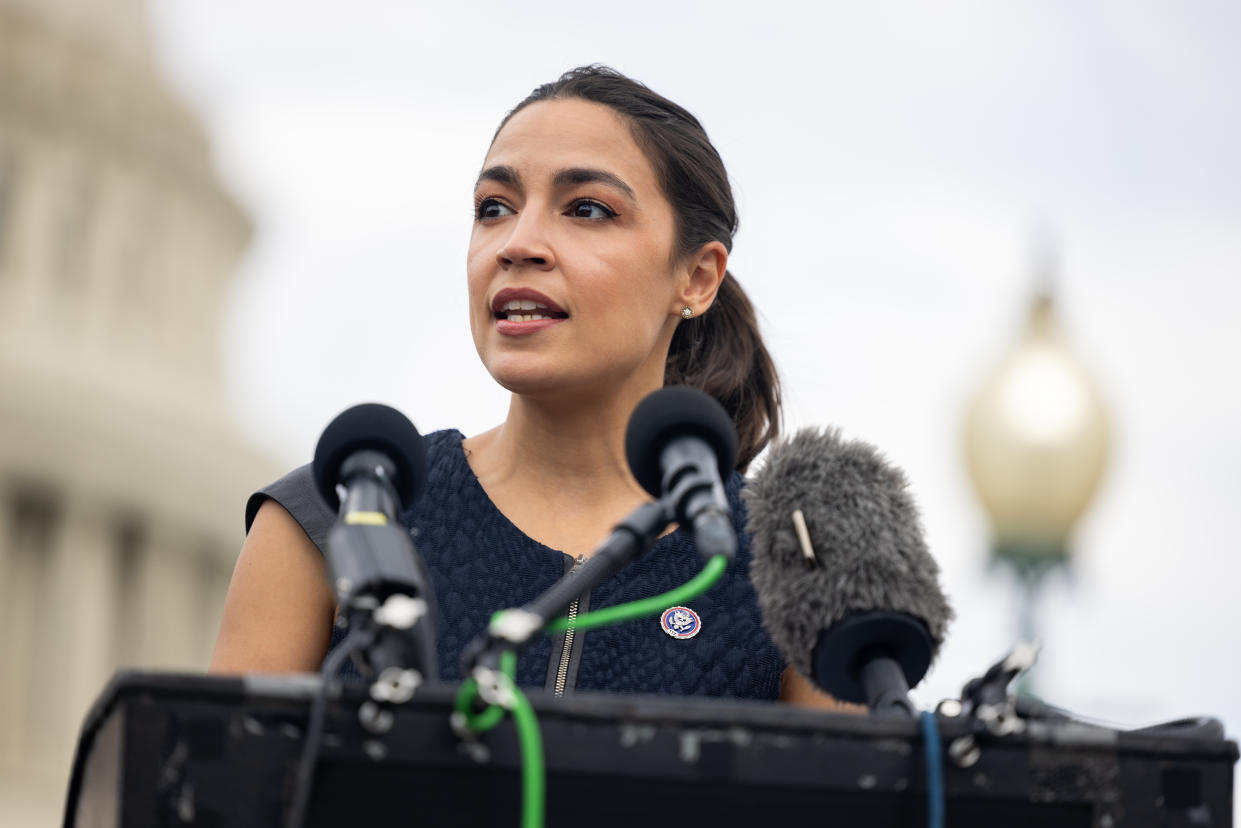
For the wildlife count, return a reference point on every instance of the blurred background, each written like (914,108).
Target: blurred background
(1000,241)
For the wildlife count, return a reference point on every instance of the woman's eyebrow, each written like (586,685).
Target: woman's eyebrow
(502,174)
(568,177)
(573,176)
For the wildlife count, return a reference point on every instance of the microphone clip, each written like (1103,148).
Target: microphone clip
(988,703)
(987,699)
(803,538)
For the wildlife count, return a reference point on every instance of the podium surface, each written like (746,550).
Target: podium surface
(167,750)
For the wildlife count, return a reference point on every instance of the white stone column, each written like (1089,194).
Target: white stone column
(6,537)
(21,599)
(9,677)
(216,589)
(80,647)
(169,599)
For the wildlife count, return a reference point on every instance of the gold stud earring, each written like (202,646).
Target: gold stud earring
(687,312)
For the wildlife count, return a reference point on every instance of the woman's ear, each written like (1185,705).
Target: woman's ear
(704,272)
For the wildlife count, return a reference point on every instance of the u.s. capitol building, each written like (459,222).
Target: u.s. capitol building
(122,475)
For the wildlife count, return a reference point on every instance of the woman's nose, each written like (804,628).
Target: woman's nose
(527,244)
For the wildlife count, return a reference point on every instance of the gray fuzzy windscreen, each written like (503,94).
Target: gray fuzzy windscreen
(866,534)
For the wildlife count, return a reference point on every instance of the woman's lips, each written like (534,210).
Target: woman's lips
(529,299)
(522,311)
(508,327)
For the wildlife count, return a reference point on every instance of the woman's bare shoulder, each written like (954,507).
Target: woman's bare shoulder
(279,610)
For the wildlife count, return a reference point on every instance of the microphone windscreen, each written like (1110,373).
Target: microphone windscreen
(374,427)
(867,540)
(676,411)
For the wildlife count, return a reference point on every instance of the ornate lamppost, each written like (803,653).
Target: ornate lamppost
(1036,443)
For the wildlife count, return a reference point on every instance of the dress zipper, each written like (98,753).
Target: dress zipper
(566,652)
(562,672)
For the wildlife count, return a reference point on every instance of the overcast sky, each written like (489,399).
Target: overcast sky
(891,161)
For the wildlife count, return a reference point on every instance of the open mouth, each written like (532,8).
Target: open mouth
(528,310)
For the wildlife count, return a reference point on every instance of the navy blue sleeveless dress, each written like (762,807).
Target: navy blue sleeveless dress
(480,562)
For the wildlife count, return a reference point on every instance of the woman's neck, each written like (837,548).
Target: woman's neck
(562,442)
(557,468)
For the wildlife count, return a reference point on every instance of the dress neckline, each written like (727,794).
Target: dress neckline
(459,457)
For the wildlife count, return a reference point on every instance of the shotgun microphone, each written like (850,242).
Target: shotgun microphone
(846,586)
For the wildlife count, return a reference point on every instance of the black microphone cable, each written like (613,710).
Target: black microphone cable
(314,728)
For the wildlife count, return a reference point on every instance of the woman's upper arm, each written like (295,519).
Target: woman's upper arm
(279,610)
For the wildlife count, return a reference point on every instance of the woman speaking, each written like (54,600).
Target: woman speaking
(597,273)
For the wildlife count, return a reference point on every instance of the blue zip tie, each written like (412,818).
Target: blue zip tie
(934,770)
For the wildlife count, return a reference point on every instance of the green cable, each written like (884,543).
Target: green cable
(489,718)
(654,605)
(533,783)
(533,777)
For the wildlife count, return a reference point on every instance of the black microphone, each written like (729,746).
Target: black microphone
(370,444)
(370,464)
(846,586)
(681,445)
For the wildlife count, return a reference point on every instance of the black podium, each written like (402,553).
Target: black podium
(173,750)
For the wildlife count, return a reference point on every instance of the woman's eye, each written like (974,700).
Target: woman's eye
(587,209)
(489,208)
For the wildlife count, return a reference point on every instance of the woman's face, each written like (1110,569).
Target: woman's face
(571,275)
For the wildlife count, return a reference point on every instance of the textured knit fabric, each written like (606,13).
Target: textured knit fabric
(480,562)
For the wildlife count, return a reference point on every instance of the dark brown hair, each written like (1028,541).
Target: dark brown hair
(719,351)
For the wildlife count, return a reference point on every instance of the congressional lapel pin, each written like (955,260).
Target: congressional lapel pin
(680,622)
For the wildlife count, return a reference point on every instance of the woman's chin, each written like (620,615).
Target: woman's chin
(547,382)
(531,380)
(545,376)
